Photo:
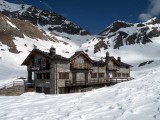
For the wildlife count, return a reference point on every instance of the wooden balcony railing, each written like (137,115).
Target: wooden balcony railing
(38,67)
(81,66)
(120,79)
(97,82)
(90,82)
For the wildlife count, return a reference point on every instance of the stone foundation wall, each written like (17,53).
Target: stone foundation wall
(12,91)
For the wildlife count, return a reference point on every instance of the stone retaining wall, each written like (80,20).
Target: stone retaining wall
(12,91)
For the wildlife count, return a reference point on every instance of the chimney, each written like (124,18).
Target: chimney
(52,51)
(107,55)
(119,59)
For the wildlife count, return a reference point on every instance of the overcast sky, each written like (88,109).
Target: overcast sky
(95,15)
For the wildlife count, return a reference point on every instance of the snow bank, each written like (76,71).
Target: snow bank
(135,100)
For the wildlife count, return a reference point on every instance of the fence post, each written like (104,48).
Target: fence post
(24,86)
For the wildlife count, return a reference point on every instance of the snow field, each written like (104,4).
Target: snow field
(138,99)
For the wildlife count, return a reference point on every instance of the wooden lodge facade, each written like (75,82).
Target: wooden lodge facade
(53,74)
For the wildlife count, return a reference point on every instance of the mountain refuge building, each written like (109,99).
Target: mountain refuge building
(50,73)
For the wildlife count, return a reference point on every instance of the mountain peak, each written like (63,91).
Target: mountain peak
(115,26)
(6,6)
(153,21)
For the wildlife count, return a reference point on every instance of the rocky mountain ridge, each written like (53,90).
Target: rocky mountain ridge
(21,21)
(128,33)
(121,33)
(50,21)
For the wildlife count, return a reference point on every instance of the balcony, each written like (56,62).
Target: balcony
(97,82)
(81,66)
(39,67)
(120,79)
(83,83)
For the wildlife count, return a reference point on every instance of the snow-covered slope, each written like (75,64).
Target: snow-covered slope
(135,100)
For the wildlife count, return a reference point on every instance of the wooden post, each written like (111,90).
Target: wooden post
(29,76)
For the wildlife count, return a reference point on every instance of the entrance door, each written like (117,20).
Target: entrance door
(30,76)
(39,89)
(74,77)
(46,90)
(86,77)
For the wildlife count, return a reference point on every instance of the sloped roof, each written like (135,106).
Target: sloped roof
(59,57)
(45,54)
(124,64)
(121,64)
(111,58)
(79,53)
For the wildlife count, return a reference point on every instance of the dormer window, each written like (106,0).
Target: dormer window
(127,67)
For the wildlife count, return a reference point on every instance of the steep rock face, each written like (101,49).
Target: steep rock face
(127,33)
(12,27)
(7,31)
(50,20)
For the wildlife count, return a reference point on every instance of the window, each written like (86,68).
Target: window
(127,74)
(46,75)
(61,90)
(93,75)
(63,75)
(114,74)
(43,64)
(39,76)
(39,62)
(101,75)
(95,65)
(127,67)
(123,74)
(118,74)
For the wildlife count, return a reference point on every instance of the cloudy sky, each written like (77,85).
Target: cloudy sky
(95,15)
